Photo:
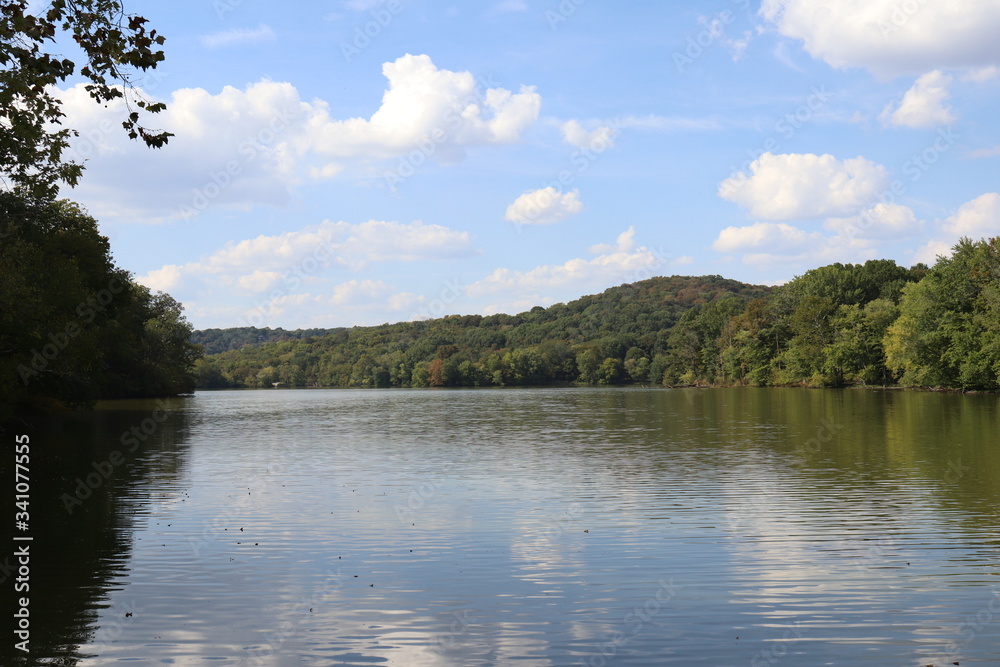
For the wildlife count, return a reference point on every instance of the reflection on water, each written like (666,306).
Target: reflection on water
(542,527)
(85,511)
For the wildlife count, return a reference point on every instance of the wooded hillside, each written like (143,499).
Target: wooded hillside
(875,323)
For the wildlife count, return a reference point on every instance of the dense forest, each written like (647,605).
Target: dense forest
(74,327)
(563,343)
(214,341)
(875,323)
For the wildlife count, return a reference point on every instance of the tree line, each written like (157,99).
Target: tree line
(74,327)
(875,323)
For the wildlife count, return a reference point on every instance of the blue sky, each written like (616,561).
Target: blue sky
(365,161)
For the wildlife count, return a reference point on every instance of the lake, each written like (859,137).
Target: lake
(530,527)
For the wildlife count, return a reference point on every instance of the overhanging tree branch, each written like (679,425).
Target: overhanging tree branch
(117,46)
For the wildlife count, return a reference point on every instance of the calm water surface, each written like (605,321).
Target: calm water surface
(518,527)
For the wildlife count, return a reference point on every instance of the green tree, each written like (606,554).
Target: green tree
(946,334)
(630,323)
(857,353)
(420,376)
(73,326)
(752,341)
(168,356)
(637,365)
(116,46)
(853,284)
(610,371)
(587,362)
(812,330)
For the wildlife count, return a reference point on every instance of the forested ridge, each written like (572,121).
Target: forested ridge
(875,323)
(214,341)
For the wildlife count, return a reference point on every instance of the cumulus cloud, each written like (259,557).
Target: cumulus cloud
(923,105)
(620,263)
(854,238)
(355,302)
(258,281)
(768,244)
(979,217)
(890,37)
(289,278)
(163,279)
(544,207)
(802,186)
(930,251)
(777,237)
(239,149)
(259,264)
(624,243)
(359,292)
(882,221)
(858,238)
(423,103)
(236,149)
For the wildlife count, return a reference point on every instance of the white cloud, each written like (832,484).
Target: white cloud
(259,281)
(403,301)
(239,149)
(624,243)
(768,244)
(622,263)
(356,292)
(347,244)
(423,103)
(544,207)
(881,222)
(923,105)
(599,139)
(931,250)
(982,75)
(294,258)
(892,37)
(803,186)
(236,36)
(776,237)
(977,218)
(163,279)
(280,306)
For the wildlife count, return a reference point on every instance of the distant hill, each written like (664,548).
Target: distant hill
(214,341)
(629,323)
(875,323)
